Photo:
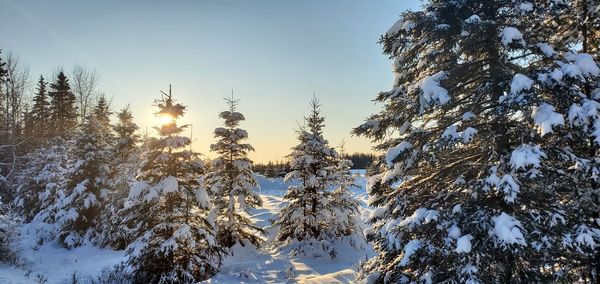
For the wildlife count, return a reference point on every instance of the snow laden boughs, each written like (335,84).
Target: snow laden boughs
(87,184)
(232,182)
(166,210)
(569,87)
(482,185)
(37,183)
(314,212)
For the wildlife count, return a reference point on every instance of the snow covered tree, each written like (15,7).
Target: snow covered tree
(311,212)
(63,112)
(472,187)
(124,166)
(102,113)
(42,186)
(231,181)
(343,203)
(166,210)
(36,182)
(126,136)
(88,180)
(568,79)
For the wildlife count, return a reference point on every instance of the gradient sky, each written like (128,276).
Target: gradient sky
(273,54)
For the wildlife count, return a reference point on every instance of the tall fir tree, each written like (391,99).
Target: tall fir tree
(39,115)
(167,209)
(472,186)
(232,182)
(311,212)
(63,112)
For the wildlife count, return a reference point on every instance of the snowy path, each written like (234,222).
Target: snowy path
(267,265)
(246,265)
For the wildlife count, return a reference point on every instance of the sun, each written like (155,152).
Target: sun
(165,119)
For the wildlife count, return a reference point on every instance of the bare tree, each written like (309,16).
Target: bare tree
(84,82)
(13,107)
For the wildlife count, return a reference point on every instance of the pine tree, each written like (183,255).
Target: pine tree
(310,212)
(88,185)
(102,113)
(166,210)
(63,112)
(232,182)
(40,112)
(472,186)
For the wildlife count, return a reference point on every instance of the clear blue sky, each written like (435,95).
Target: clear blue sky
(274,54)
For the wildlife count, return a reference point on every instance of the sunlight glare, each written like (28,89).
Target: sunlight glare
(165,119)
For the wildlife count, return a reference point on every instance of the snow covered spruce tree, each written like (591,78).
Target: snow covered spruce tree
(126,135)
(41,186)
(167,209)
(232,182)
(124,166)
(312,212)
(344,204)
(37,184)
(87,186)
(472,187)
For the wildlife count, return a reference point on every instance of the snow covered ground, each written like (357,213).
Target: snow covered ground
(54,264)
